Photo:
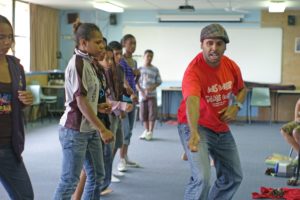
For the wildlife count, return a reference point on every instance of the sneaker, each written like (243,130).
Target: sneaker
(149,135)
(118,174)
(114,179)
(130,163)
(144,134)
(106,192)
(122,165)
(184,157)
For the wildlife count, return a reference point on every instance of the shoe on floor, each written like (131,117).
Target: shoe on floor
(114,179)
(130,163)
(122,165)
(184,157)
(106,192)
(149,136)
(118,174)
(144,134)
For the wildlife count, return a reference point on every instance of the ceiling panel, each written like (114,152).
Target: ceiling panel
(166,4)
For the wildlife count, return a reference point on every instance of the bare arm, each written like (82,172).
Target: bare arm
(88,112)
(297,111)
(192,112)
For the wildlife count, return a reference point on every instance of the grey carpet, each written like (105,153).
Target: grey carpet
(163,174)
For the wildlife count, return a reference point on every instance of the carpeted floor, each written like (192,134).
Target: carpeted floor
(163,174)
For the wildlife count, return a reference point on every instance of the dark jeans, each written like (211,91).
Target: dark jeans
(14,176)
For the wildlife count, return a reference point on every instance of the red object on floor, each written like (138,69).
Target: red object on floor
(270,193)
(172,122)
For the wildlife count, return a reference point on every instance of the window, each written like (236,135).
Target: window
(6,10)
(22,34)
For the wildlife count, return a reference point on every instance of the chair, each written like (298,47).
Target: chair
(40,100)
(260,98)
(48,101)
(35,91)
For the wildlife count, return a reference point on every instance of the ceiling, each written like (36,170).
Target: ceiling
(229,5)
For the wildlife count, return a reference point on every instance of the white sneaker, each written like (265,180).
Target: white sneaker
(130,163)
(143,136)
(122,165)
(118,174)
(106,192)
(114,179)
(149,135)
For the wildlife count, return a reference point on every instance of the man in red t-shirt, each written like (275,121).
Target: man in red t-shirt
(213,92)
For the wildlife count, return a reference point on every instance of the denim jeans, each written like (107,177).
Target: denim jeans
(116,128)
(14,176)
(222,148)
(107,157)
(127,124)
(80,149)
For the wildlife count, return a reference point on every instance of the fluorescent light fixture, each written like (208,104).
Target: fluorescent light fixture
(108,7)
(200,18)
(277,6)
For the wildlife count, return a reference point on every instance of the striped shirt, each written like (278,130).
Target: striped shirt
(128,71)
(149,76)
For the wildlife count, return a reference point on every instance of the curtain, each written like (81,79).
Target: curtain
(44,38)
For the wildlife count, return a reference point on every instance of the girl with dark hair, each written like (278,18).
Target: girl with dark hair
(13,97)
(132,74)
(79,126)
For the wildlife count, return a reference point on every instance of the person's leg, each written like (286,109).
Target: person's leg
(127,124)
(107,160)
(79,189)
(14,176)
(118,145)
(287,133)
(143,117)
(296,136)
(127,135)
(223,150)
(143,114)
(74,146)
(146,125)
(123,150)
(94,168)
(152,113)
(199,184)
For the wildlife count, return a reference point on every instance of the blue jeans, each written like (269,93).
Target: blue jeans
(14,176)
(222,148)
(107,157)
(80,149)
(127,124)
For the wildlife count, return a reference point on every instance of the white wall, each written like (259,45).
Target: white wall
(256,50)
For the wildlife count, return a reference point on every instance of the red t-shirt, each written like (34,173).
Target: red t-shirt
(214,86)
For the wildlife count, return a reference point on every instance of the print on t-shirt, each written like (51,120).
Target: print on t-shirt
(218,95)
(5,103)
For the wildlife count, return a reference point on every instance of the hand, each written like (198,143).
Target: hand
(150,89)
(107,136)
(134,98)
(229,113)
(129,107)
(136,72)
(194,141)
(144,94)
(104,108)
(25,97)
(122,114)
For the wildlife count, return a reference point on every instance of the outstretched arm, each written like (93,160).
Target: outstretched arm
(192,112)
